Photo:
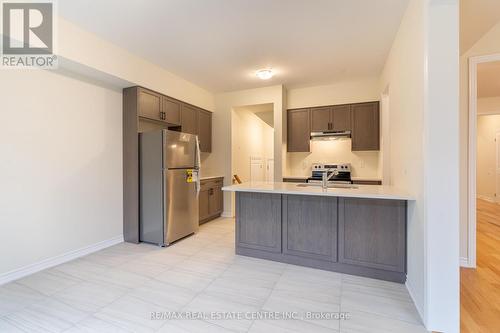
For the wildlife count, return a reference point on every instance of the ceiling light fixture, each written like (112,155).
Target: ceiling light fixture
(265,74)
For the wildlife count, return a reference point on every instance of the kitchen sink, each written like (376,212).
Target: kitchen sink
(329,186)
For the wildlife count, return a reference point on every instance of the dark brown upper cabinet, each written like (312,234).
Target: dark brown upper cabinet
(321,119)
(149,104)
(205,130)
(341,118)
(171,109)
(199,122)
(331,118)
(189,119)
(362,119)
(298,130)
(365,126)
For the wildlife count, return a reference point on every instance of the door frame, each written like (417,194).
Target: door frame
(385,135)
(470,261)
(268,160)
(497,160)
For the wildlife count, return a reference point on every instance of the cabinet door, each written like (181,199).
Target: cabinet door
(205,130)
(189,119)
(372,233)
(204,200)
(365,126)
(321,119)
(149,104)
(341,118)
(171,110)
(310,227)
(298,130)
(258,221)
(215,201)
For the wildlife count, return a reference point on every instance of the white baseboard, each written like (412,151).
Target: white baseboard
(464,262)
(418,306)
(227,214)
(57,260)
(486,198)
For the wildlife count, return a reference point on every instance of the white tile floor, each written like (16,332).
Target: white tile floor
(116,289)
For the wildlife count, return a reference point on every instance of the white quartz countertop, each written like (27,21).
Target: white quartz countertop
(361,191)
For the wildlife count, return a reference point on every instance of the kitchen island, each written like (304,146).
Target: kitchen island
(359,230)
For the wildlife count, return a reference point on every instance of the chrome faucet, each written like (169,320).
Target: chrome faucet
(325,177)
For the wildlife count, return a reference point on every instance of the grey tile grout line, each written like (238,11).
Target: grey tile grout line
(126,293)
(126,290)
(51,297)
(382,315)
(340,299)
(269,296)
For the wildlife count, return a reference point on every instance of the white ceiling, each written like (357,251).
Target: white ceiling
(218,44)
(476,18)
(488,79)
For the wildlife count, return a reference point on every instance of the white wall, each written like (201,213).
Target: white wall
(364,164)
(404,75)
(441,156)
(421,79)
(487,45)
(487,127)
(488,105)
(96,54)
(251,137)
(61,169)
(360,90)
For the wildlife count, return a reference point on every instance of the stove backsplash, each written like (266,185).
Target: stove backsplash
(363,164)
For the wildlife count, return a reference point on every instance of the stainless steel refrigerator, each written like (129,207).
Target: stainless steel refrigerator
(169,186)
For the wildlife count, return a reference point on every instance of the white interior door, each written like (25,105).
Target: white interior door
(270,170)
(497,167)
(256,169)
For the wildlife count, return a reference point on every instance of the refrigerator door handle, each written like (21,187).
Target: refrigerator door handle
(198,166)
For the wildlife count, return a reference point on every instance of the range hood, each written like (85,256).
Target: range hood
(330,135)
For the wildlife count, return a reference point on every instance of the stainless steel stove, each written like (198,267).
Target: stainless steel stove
(343,171)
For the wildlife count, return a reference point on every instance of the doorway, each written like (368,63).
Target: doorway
(252,143)
(484,101)
(478,288)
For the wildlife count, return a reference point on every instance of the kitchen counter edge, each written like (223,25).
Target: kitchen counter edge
(363,191)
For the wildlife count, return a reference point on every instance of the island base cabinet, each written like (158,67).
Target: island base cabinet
(258,221)
(372,233)
(365,237)
(310,227)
